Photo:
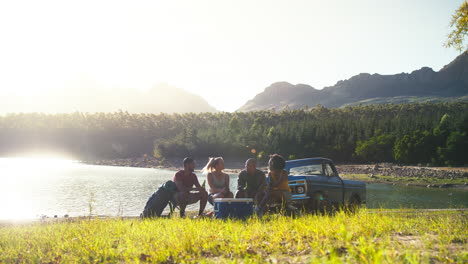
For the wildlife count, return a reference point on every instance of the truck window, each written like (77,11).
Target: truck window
(315,169)
(328,170)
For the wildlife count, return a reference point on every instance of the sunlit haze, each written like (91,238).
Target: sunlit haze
(224,51)
(20,176)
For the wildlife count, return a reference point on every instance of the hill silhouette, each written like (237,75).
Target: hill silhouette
(90,97)
(448,84)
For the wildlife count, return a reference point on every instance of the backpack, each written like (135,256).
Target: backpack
(159,200)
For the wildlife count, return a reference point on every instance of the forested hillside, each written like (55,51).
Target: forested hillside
(426,133)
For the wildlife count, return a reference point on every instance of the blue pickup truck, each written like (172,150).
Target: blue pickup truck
(315,185)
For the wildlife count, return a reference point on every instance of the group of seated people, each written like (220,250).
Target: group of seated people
(252,183)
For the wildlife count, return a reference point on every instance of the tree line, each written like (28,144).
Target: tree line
(423,133)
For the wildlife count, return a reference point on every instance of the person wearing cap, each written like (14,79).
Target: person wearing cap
(186,194)
(251,182)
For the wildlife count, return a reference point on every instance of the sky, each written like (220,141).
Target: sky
(225,51)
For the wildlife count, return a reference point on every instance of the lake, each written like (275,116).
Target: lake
(30,188)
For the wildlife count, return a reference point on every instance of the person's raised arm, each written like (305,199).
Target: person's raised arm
(198,187)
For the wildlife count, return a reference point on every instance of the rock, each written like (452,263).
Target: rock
(387,165)
(445,185)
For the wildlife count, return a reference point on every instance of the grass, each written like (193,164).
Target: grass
(422,181)
(366,237)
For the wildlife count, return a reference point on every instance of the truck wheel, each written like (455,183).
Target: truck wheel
(354,204)
(320,204)
(291,211)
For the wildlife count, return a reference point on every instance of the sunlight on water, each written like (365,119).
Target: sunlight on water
(32,187)
(19,177)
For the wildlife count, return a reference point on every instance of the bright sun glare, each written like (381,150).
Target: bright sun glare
(18,176)
(225,51)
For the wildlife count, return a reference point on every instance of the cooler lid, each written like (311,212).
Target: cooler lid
(233,200)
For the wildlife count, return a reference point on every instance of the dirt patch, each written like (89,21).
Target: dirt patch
(409,241)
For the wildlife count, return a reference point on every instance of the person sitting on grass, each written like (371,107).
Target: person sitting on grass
(278,187)
(218,181)
(185,180)
(251,182)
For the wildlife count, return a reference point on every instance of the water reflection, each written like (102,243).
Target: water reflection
(31,188)
(21,182)
(388,196)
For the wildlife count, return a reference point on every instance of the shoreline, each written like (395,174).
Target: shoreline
(192,214)
(154,163)
(384,173)
(364,178)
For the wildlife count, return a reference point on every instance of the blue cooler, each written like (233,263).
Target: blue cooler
(240,208)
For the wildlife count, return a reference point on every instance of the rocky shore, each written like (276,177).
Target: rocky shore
(425,176)
(172,164)
(143,162)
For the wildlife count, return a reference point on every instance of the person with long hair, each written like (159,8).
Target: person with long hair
(218,181)
(278,187)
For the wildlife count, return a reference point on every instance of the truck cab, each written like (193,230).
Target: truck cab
(316,185)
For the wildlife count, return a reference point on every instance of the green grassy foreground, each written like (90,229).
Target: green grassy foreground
(408,236)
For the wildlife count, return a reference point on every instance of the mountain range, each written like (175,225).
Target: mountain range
(86,95)
(448,84)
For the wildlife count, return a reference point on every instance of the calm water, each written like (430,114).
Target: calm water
(30,188)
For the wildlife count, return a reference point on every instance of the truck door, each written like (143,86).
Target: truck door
(335,184)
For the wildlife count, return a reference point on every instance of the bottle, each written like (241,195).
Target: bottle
(203,184)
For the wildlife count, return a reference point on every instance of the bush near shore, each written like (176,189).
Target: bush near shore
(408,236)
